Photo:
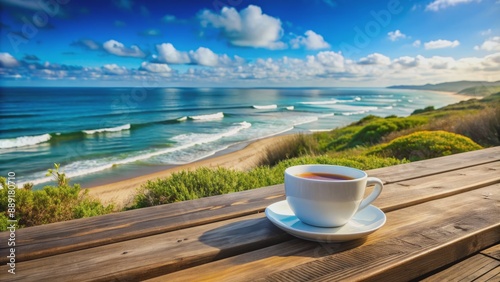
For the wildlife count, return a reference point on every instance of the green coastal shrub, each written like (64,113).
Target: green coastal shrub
(368,131)
(204,182)
(50,204)
(424,110)
(425,145)
(373,132)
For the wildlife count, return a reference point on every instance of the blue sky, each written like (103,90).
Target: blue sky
(247,43)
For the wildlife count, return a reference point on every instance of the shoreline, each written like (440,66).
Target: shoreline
(243,156)
(455,94)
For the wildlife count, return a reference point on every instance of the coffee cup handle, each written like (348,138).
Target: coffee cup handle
(374,194)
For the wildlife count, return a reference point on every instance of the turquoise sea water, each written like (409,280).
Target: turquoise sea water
(104,133)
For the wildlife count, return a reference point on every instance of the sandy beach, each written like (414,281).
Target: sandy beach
(121,193)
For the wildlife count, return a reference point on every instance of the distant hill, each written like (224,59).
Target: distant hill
(472,88)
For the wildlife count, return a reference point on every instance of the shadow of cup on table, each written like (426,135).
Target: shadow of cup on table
(241,237)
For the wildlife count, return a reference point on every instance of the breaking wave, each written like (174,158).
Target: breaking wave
(109,129)
(24,141)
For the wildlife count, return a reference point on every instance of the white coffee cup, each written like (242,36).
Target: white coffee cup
(329,202)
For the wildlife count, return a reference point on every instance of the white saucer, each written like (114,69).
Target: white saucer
(361,224)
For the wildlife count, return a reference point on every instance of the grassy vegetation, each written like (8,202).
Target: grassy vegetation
(483,90)
(205,182)
(51,204)
(423,145)
(369,143)
(472,88)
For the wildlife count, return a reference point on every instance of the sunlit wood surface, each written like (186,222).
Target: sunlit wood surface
(443,220)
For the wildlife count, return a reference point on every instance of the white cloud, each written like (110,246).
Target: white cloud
(168,54)
(116,48)
(204,56)
(440,43)
(311,41)
(437,5)
(396,35)
(439,63)
(375,59)
(114,69)
(155,68)
(325,62)
(406,62)
(417,43)
(492,44)
(491,62)
(8,61)
(325,68)
(248,28)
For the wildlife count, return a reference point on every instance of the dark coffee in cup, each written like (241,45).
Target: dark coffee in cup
(323,176)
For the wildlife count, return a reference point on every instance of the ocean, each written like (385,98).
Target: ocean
(100,135)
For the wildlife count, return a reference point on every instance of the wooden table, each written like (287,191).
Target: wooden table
(443,222)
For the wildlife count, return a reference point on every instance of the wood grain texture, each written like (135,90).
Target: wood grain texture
(491,276)
(46,240)
(50,239)
(227,236)
(155,255)
(467,220)
(437,165)
(405,193)
(469,269)
(493,252)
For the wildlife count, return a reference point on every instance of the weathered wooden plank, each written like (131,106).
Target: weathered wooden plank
(437,165)
(464,223)
(69,237)
(434,258)
(45,240)
(493,252)
(414,191)
(157,254)
(469,269)
(491,276)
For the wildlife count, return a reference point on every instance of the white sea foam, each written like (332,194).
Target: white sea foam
(109,129)
(306,120)
(23,141)
(185,141)
(290,108)
(329,102)
(265,107)
(201,138)
(357,99)
(218,115)
(182,118)
(327,115)
(351,108)
(353,113)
